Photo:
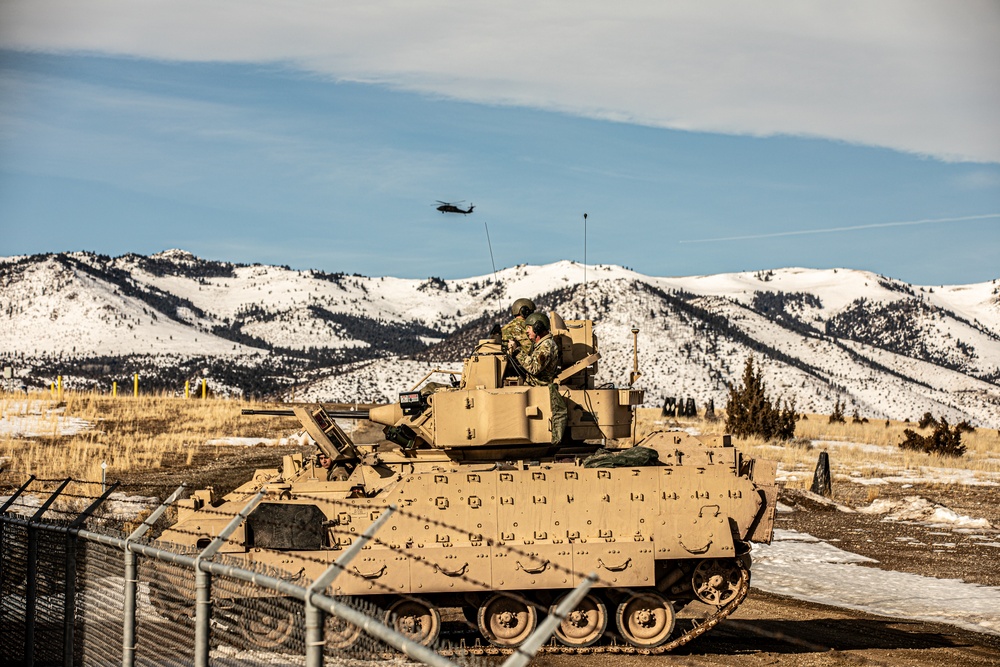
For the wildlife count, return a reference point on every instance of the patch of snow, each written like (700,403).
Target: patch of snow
(23,502)
(50,423)
(803,567)
(128,508)
(921,510)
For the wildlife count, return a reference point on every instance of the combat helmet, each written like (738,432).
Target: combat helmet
(538,323)
(522,307)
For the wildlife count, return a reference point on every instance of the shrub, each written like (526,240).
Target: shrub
(750,411)
(943,441)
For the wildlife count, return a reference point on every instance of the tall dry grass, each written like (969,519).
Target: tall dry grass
(130,434)
(149,432)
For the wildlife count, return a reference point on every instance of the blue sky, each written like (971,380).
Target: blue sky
(127,131)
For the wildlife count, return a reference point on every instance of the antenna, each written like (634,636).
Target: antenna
(495,279)
(585,311)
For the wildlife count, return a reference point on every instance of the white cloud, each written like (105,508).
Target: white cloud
(912,76)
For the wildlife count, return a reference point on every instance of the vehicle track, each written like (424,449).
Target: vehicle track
(769,630)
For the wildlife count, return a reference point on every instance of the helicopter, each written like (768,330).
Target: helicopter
(447,207)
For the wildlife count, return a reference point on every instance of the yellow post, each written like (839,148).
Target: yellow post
(135,385)
(114,388)
(204,387)
(187,388)
(52,389)
(59,380)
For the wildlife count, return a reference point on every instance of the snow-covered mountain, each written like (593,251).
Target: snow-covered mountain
(887,348)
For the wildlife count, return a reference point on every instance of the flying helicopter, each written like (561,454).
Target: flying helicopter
(448,207)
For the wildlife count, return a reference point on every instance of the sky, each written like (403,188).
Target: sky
(698,137)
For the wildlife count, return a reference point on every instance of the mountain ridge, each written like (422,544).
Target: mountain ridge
(887,348)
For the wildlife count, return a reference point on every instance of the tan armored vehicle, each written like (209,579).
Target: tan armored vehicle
(496,520)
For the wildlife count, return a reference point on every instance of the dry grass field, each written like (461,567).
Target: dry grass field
(136,435)
(72,437)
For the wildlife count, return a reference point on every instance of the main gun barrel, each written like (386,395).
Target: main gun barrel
(332,414)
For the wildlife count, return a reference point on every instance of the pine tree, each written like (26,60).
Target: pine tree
(750,412)
(838,412)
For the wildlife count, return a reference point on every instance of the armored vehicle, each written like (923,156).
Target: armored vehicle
(497,520)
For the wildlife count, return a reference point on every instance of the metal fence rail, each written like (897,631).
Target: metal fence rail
(72,593)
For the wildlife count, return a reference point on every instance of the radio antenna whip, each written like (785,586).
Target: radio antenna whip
(496,280)
(585,311)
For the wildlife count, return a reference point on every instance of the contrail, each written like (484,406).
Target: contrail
(852,228)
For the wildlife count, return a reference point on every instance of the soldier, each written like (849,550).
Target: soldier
(333,473)
(513,335)
(542,366)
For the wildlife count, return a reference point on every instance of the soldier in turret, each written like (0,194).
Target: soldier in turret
(542,365)
(334,473)
(513,335)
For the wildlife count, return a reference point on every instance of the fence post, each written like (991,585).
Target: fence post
(316,617)
(31,591)
(203,583)
(132,578)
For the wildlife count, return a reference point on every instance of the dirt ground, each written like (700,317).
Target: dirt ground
(769,629)
(906,546)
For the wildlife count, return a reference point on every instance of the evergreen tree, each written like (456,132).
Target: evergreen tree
(750,411)
(838,412)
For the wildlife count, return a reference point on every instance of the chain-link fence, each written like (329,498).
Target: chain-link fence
(77,590)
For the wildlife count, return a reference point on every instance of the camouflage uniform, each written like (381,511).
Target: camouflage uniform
(542,365)
(542,362)
(517,331)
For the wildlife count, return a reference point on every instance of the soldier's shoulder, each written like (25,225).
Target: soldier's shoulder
(549,345)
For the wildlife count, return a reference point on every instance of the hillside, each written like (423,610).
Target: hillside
(887,348)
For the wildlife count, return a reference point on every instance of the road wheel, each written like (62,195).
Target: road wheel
(506,621)
(414,618)
(584,625)
(645,619)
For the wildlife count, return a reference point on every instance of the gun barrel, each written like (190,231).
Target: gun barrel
(333,414)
